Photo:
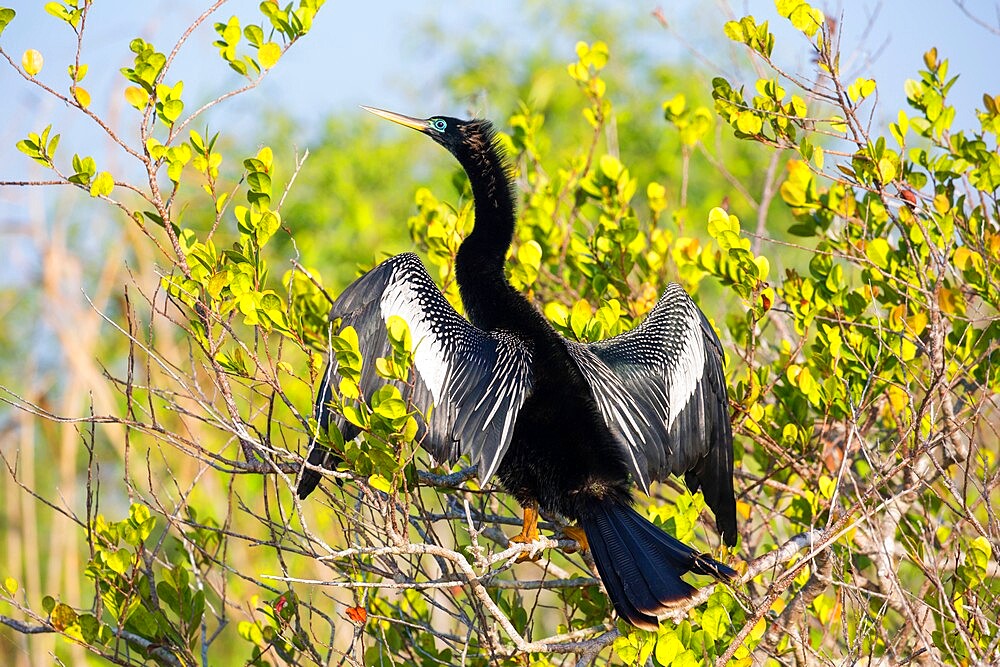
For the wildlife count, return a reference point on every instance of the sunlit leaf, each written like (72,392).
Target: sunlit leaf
(102,185)
(32,62)
(268,54)
(137,97)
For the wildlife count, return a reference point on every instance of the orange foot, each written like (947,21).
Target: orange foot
(528,534)
(575,533)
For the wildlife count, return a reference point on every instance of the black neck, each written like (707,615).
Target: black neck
(479,265)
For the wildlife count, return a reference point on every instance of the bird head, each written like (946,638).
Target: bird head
(460,137)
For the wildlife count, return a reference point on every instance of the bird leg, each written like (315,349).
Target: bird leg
(575,533)
(529,532)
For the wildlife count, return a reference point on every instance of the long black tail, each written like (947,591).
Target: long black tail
(318,456)
(641,565)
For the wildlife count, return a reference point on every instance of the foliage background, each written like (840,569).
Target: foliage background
(348,205)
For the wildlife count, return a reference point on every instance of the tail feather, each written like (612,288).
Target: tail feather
(641,565)
(320,457)
(656,541)
(658,564)
(615,586)
(634,580)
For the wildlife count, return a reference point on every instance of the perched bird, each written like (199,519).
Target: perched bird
(567,427)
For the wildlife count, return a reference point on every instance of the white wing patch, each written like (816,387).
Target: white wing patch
(403,300)
(477,380)
(620,409)
(683,378)
(660,387)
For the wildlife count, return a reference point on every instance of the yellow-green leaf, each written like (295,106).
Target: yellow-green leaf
(102,185)
(380,483)
(77,73)
(715,621)
(886,170)
(530,254)
(878,252)
(6,16)
(82,96)
(269,54)
(898,398)
(861,89)
(763,267)
(217,283)
(734,31)
(748,122)
(580,317)
(399,331)
(656,195)
(266,156)
(137,97)
(980,552)
(62,616)
(32,62)
(802,16)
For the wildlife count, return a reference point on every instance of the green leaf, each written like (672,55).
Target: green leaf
(687,659)
(399,333)
(749,122)
(155,149)
(58,10)
(715,622)
(259,181)
(530,254)
(668,647)
(10,585)
(579,317)
(6,16)
(138,514)
(251,632)
(803,17)
(980,552)
(734,31)
(217,283)
(878,252)
(90,628)
(861,89)
(77,74)
(172,110)
(102,185)
(50,151)
(174,170)
(886,170)
(254,34)
(380,483)
(719,222)
(119,561)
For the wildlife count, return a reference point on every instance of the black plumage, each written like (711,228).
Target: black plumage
(565,426)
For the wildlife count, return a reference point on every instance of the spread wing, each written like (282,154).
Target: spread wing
(661,389)
(469,383)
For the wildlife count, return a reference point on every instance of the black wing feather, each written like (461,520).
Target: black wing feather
(470,384)
(661,388)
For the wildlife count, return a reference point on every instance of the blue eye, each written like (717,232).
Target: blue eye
(439,125)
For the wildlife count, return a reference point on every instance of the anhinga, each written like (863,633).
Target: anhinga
(567,427)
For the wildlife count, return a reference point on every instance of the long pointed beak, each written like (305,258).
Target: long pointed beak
(418,124)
